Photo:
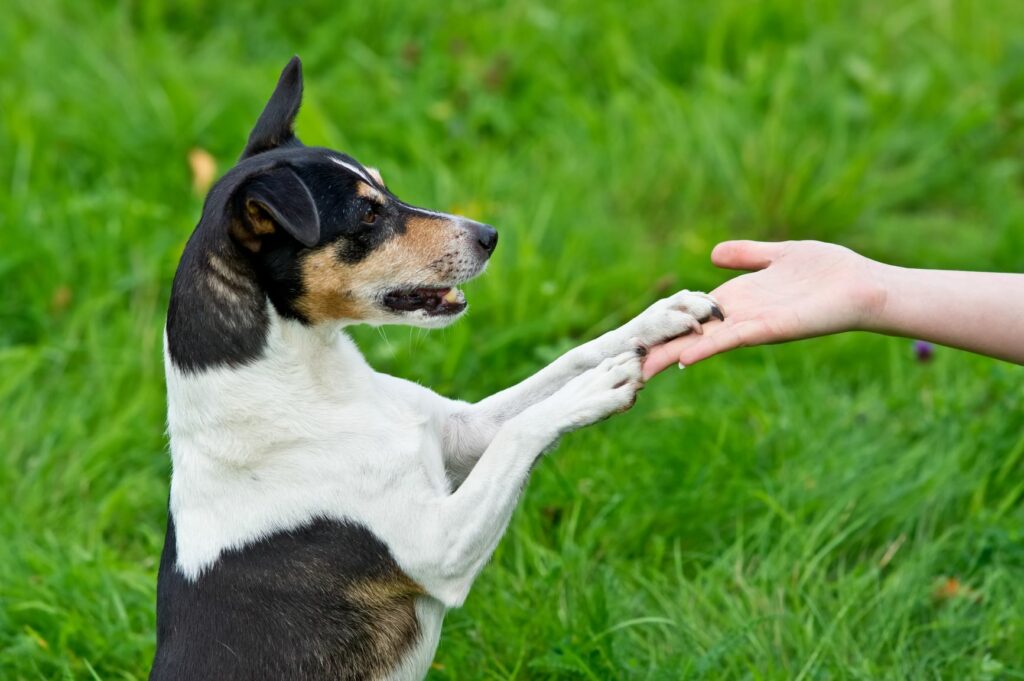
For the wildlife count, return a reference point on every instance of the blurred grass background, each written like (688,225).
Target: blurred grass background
(830,509)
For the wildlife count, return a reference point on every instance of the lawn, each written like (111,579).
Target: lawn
(831,509)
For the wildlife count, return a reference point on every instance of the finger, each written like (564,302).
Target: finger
(725,337)
(745,255)
(660,357)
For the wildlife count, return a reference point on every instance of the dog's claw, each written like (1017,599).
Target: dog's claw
(638,346)
(680,314)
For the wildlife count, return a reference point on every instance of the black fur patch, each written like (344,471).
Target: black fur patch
(325,601)
(205,327)
(305,200)
(217,314)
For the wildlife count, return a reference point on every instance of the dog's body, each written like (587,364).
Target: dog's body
(324,516)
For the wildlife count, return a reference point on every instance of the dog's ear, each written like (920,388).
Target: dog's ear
(276,125)
(274,200)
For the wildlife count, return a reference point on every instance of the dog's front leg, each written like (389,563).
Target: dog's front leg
(470,428)
(456,535)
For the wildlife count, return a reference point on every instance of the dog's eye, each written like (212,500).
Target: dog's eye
(370,214)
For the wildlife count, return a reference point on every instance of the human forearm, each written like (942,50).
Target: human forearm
(978,311)
(802,289)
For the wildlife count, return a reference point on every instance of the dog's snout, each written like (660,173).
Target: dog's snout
(487,237)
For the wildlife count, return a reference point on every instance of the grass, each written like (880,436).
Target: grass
(826,510)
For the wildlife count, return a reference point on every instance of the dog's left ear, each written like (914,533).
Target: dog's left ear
(276,125)
(273,200)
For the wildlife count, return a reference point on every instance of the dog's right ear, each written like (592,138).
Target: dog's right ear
(276,125)
(273,201)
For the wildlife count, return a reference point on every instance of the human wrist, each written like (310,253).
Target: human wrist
(874,300)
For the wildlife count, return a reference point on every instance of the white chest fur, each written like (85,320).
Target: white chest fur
(310,431)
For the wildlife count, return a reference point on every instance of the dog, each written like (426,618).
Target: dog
(323,516)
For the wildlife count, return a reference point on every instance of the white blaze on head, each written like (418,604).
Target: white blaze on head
(358,171)
(362,175)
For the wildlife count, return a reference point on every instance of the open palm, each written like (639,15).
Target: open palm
(799,289)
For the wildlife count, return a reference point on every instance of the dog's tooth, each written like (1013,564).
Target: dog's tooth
(452,296)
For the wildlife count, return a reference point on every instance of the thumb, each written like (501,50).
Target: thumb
(746,255)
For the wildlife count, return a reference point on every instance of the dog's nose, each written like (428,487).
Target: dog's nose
(487,237)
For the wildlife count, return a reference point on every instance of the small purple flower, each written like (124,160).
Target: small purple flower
(923,351)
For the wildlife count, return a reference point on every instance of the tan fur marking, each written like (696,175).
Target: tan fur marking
(327,292)
(260,222)
(375,174)
(223,290)
(366,191)
(243,235)
(423,234)
(229,275)
(255,224)
(335,290)
(379,592)
(390,603)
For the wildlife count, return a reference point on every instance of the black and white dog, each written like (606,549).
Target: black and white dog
(324,516)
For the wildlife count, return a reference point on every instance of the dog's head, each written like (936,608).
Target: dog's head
(328,239)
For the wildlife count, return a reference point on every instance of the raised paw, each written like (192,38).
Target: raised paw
(677,315)
(608,388)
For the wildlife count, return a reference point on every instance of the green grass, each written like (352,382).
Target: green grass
(779,513)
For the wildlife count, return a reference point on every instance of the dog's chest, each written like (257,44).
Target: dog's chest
(307,475)
(270,465)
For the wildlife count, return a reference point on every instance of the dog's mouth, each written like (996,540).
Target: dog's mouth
(434,301)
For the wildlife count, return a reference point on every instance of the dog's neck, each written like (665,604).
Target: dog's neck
(270,395)
(220,317)
(218,313)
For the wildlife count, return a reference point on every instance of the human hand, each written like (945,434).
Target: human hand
(800,289)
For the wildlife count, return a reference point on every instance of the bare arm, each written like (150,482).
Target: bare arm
(802,289)
(978,311)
